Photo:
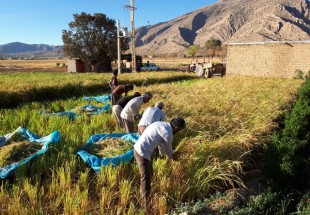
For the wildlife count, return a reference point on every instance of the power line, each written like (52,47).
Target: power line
(144,15)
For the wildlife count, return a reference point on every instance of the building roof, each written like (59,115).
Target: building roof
(268,42)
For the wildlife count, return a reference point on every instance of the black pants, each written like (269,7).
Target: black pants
(146,173)
(129,126)
(114,98)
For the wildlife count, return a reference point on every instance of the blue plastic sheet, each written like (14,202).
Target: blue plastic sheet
(31,137)
(103,98)
(87,109)
(97,162)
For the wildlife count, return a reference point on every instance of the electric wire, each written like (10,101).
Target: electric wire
(142,13)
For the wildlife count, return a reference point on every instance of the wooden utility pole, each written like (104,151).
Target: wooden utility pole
(133,48)
(118,48)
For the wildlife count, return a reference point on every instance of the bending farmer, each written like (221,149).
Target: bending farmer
(130,113)
(150,115)
(120,104)
(158,134)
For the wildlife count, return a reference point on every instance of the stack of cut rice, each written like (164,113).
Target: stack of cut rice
(110,147)
(17,151)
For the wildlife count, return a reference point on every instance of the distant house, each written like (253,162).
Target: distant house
(274,58)
(77,65)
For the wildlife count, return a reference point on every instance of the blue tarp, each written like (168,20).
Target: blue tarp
(103,98)
(31,137)
(96,162)
(87,109)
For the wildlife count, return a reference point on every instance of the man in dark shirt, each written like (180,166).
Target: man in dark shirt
(120,104)
(118,91)
(114,82)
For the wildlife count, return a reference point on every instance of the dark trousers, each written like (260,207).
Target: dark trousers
(114,98)
(146,173)
(129,126)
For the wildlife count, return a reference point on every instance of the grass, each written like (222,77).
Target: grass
(21,88)
(226,119)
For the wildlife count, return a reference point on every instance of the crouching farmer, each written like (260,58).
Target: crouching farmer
(158,134)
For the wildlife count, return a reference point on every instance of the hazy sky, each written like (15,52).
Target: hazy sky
(42,21)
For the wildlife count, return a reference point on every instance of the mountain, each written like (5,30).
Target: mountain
(228,21)
(18,49)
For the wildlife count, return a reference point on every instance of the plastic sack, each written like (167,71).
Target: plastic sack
(97,162)
(31,137)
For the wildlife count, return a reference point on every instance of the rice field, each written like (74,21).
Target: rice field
(19,88)
(32,64)
(226,119)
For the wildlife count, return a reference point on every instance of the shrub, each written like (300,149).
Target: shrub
(299,74)
(268,202)
(303,207)
(287,158)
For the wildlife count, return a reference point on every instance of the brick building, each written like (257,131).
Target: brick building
(276,58)
(77,65)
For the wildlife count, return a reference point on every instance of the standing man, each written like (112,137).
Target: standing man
(130,113)
(150,115)
(119,90)
(113,82)
(158,134)
(120,104)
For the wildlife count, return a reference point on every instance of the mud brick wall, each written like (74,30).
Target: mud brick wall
(268,58)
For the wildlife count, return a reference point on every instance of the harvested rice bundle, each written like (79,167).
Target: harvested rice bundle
(17,151)
(110,147)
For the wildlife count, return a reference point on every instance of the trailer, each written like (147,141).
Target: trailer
(207,70)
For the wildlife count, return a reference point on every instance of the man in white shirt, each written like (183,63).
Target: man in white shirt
(158,134)
(130,113)
(120,104)
(150,115)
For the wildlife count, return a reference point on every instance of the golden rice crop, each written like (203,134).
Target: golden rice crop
(226,119)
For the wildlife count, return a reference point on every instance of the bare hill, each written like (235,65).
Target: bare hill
(229,21)
(17,49)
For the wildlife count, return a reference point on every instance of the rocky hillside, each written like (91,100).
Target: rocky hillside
(229,21)
(18,49)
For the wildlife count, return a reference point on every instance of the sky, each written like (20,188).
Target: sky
(42,21)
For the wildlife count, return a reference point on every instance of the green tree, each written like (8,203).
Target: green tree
(93,39)
(192,50)
(212,46)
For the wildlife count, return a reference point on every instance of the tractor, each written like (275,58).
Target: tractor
(208,69)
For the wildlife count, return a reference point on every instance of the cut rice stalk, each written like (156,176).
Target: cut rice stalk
(110,147)
(17,151)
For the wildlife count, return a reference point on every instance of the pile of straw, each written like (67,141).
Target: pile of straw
(110,147)
(17,151)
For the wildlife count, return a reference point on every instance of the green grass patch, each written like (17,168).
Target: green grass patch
(287,158)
